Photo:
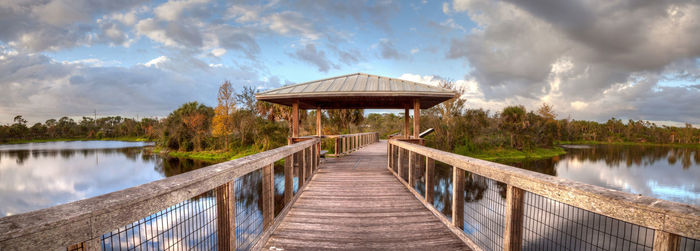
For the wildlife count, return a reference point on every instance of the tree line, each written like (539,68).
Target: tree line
(239,120)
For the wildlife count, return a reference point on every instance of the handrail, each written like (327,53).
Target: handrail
(670,219)
(345,143)
(88,219)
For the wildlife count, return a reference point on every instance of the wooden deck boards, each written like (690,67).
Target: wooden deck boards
(354,202)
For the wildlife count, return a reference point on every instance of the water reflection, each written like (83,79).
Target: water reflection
(661,172)
(40,175)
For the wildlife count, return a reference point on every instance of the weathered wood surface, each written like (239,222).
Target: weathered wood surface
(356,203)
(671,217)
(64,225)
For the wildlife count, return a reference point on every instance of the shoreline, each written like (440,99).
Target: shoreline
(27,141)
(627,143)
(513,155)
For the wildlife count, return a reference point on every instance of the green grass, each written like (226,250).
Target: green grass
(591,142)
(125,138)
(508,155)
(213,156)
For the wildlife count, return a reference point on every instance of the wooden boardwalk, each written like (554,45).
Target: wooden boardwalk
(354,202)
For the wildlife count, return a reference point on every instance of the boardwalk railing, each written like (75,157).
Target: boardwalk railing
(344,144)
(347,143)
(229,206)
(499,207)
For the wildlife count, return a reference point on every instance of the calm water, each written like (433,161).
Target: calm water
(40,175)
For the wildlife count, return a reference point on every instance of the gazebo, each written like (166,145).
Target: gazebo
(358,91)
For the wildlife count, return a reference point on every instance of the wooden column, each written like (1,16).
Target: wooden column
(405,122)
(665,241)
(399,170)
(268,195)
(288,179)
(295,119)
(458,197)
(337,147)
(226,216)
(411,170)
(429,173)
(301,156)
(319,129)
(416,118)
(513,234)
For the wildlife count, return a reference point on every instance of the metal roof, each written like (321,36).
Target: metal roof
(355,91)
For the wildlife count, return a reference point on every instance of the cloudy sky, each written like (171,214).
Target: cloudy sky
(592,60)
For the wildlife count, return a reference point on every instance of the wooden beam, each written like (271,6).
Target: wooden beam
(458,197)
(406,123)
(295,119)
(226,216)
(665,241)
(319,129)
(513,233)
(416,118)
(429,180)
(288,179)
(268,195)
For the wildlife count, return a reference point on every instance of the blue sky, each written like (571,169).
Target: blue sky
(590,59)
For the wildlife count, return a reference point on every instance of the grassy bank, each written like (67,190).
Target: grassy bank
(130,139)
(590,142)
(508,155)
(212,156)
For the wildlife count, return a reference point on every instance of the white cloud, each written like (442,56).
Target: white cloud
(414,50)
(174,9)
(157,61)
(218,52)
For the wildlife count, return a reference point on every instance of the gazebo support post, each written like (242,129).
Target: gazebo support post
(406,123)
(416,118)
(295,119)
(318,121)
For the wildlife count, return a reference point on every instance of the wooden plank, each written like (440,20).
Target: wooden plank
(664,241)
(319,129)
(458,197)
(513,233)
(226,217)
(288,179)
(268,195)
(356,203)
(295,119)
(416,118)
(429,179)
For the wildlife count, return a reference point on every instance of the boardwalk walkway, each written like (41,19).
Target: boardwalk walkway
(354,202)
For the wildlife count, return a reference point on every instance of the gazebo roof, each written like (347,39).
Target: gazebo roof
(357,91)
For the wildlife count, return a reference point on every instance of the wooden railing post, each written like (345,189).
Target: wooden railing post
(513,234)
(268,195)
(399,170)
(411,170)
(226,216)
(337,147)
(429,180)
(288,179)
(665,241)
(300,163)
(388,156)
(458,197)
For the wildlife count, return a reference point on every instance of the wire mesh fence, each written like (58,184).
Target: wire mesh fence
(279,188)
(249,219)
(688,244)
(188,225)
(484,211)
(419,174)
(552,225)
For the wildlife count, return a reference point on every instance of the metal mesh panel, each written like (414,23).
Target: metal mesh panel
(688,244)
(279,188)
(189,225)
(404,164)
(419,174)
(297,171)
(442,189)
(552,225)
(249,217)
(484,211)
(395,159)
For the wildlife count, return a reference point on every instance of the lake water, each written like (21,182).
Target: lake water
(40,175)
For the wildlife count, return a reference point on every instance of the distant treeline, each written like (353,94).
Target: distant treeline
(240,121)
